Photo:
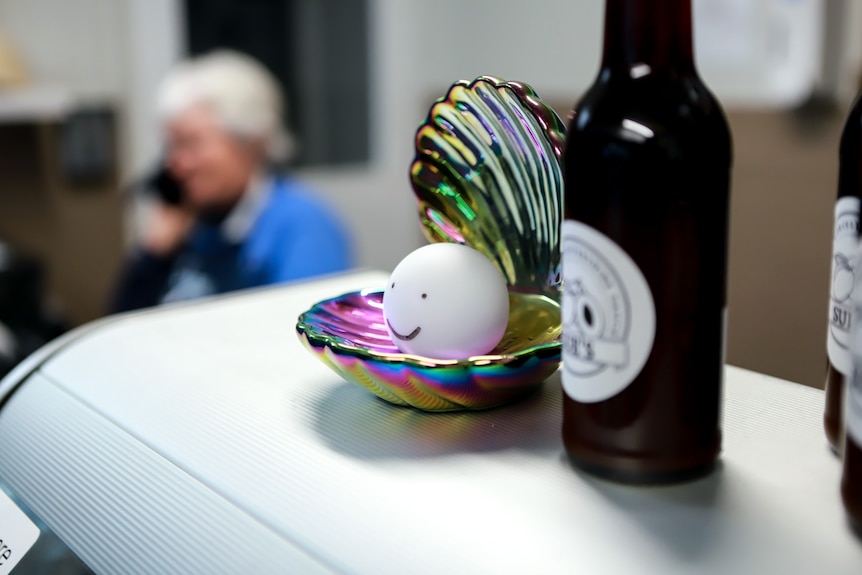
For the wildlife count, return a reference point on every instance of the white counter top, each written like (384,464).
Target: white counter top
(224,391)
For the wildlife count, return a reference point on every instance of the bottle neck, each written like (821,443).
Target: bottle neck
(644,36)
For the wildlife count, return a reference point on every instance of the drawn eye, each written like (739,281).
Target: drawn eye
(393,284)
(424,295)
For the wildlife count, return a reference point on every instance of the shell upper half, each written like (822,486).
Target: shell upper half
(487,173)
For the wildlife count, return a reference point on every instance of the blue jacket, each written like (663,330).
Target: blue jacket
(293,236)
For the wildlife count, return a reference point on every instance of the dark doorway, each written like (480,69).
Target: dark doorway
(319,51)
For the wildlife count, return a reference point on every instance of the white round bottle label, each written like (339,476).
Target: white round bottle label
(608,315)
(842,282)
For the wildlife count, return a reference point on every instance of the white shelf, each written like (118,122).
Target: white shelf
(38,104)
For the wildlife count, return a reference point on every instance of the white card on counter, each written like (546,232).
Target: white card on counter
(17,534)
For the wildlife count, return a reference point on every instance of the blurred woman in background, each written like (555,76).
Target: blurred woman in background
(226,219)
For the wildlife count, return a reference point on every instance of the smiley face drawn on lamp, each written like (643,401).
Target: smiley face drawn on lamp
(446,301)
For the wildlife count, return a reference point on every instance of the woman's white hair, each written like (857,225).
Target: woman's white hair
(244,97)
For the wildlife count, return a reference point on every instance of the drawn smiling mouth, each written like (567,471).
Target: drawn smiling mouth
(411,335)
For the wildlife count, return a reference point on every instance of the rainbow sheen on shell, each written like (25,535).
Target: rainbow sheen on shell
(349,335)
(487,173)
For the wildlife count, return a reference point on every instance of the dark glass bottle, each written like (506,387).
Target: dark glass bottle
(647,174)
(844,239)
(851,484)
(851,479)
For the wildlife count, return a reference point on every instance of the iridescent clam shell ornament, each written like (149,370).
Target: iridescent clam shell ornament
(349,335)
(486,174)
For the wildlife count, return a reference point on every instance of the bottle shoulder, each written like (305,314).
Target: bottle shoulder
(849,153)
(648,110)
(851,134)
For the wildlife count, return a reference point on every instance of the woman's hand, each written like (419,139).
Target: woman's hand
(166,230)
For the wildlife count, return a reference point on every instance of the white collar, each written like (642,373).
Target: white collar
(237,225)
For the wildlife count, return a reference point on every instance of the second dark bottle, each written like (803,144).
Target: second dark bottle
(846,233)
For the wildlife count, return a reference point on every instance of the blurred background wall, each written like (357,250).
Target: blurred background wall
(765,60)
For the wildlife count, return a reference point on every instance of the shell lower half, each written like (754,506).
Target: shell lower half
(349,335)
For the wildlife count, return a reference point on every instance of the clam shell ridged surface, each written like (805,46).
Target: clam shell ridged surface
(487,174)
